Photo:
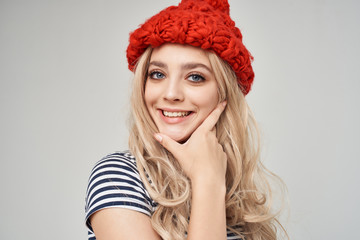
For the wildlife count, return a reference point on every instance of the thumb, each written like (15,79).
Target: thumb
(168,143)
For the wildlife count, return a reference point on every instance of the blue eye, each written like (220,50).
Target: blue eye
(156,75)
(196,78)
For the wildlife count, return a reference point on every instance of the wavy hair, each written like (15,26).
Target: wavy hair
(248,196)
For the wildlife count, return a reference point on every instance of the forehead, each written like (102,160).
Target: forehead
(179,54)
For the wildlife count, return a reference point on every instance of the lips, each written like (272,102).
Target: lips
(174,116)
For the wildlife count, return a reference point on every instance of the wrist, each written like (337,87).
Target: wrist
(200,184)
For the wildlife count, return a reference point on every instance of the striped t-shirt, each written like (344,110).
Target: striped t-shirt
(115,182)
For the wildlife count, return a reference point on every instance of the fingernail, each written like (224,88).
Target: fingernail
(224,103)
(158,137)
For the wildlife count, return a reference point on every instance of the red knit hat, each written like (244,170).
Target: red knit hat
(200,23)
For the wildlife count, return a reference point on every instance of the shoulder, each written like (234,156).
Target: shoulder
(115,168)
(113,163)
(115,182)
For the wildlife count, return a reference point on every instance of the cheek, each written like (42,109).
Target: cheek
(206,98)
(151,94)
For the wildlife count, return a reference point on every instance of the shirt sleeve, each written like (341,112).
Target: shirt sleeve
(115,182)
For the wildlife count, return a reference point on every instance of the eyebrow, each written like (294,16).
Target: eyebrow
(186,66)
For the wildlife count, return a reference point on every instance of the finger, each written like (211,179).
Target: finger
(168,143)
(211,120)
(213,130)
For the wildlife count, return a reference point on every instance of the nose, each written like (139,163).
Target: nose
(173,91)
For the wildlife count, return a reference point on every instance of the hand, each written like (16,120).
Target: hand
(201,157)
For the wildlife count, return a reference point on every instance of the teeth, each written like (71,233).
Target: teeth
(175,114)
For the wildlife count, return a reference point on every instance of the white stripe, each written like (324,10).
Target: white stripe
(119,162)
(94,180)
(118,190)
(122,199)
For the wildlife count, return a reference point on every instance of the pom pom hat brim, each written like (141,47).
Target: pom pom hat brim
(200,23)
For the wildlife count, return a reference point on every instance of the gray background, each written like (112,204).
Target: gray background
(64,88)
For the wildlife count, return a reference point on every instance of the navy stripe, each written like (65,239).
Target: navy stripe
(120,195)
(120,155)
(119,169)
(119,203)
(119,166)
(91,238)
(118,188)
(119,158)
(110,179)
(116,162)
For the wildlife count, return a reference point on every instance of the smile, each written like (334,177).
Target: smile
(175,114)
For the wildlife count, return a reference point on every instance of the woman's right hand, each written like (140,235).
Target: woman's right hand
(204,161)
(201,157)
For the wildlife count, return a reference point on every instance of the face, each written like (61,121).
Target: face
(180,90)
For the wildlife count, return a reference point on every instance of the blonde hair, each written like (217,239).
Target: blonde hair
(248,197)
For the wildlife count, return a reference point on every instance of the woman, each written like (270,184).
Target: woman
(193,168)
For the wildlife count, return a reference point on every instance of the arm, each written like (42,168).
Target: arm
(208,216)
(118,223)
(117,204)
(204,161)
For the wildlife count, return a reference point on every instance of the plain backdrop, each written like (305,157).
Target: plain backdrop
(64,90)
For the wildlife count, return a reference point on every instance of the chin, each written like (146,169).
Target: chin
(180,138)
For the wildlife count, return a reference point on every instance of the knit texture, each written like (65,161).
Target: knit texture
(200,23)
